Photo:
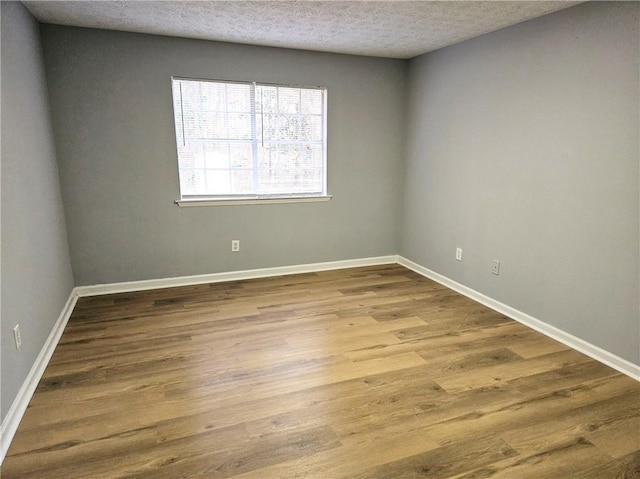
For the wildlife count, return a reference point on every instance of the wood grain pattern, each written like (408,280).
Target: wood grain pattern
(369,372)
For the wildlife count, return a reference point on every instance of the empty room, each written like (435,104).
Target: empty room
(320,239)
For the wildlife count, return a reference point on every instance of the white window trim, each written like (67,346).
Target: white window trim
(186,201)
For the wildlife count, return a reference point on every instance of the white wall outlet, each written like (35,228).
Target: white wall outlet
(495,267)
(17,336)
(235,245)
(459,254)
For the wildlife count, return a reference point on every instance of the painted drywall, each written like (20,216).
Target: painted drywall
(523,146)
(36,268)
(113,121)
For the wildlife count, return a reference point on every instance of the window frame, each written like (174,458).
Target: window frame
(240,199)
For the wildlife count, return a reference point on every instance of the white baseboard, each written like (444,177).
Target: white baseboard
(19,406)
(130,286)
(616,362)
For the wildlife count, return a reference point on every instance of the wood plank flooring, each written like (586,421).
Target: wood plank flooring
(366,373)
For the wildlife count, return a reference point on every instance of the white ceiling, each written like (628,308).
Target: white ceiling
(395,29)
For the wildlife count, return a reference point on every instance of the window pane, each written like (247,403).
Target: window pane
(311,129)
(288,100)
(187,181)
(241,155)
(238,98)
(267,155)
(311,101)
(242,181)
(192,155)
(289,156)
(216,155)
(239,125)
(205,96)
(193,180)
(267,127)
(267,99)
(311,156)
(207,125)
(289,127)
(191,125)
(217,180)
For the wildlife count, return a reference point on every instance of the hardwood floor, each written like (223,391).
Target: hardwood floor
(370,372)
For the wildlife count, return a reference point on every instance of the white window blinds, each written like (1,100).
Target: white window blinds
(249,140)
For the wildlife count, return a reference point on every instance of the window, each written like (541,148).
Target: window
(249,140)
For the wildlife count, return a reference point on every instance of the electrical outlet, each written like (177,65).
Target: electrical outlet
(459,254)
(235,245)
(17,336)
(495,267)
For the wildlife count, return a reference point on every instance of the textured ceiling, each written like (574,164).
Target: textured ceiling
(395,29)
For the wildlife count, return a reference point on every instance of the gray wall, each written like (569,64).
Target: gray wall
(112,110)
(522,146)
(36,270)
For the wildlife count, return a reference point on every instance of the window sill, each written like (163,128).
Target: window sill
(250,201)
